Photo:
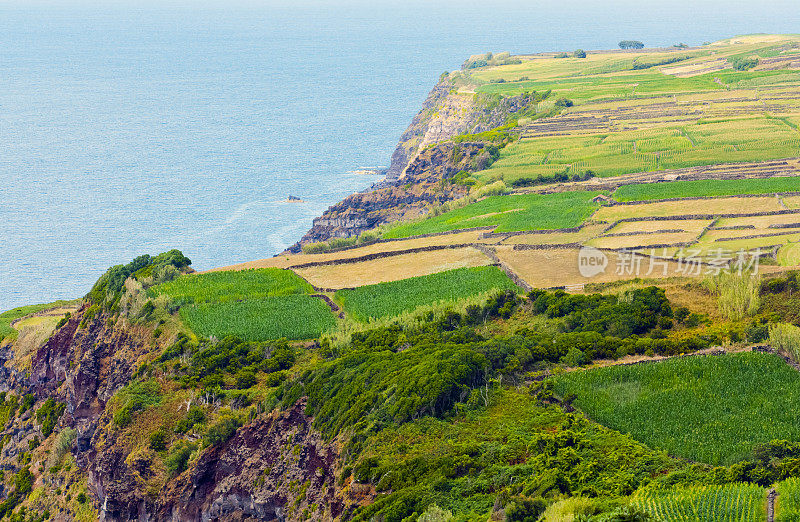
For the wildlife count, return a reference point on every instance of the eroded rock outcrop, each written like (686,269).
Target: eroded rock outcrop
(425,182)
(422,161)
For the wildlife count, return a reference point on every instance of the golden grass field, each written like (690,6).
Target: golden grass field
(287,261)
(392,268)
(552,268)
(687,225)
(716,206)
(642,240)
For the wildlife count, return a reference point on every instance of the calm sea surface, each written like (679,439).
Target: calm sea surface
(128,128)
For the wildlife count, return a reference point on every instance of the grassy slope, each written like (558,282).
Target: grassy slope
(508,214)
(513,437)
(668,147)
(710,409)
(393,298)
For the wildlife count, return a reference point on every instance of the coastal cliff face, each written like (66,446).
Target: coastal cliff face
(423,162)
(274,467)
(447,113)
(424,182)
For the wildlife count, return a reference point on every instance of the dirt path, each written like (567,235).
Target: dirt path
(771,504)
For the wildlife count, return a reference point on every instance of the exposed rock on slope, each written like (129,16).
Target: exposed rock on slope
(275,467)
(424,183)
(447,113)
(422,160)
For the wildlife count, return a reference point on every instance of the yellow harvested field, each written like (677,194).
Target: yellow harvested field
(559,267)
(560,238)
(715,206)
(687,225)
(791,201)
(749,244)
(642,240)
(760,222)
(387,246)
(393,268)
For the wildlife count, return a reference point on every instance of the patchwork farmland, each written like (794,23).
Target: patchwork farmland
(667,164)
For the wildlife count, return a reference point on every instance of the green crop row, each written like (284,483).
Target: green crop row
(291,316)
(709,409)
(508,214)
(728,503)
(232,286)
(709,187)
(395,297)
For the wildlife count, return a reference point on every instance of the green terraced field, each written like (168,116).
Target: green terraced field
(393,298)
(711,187)
(728,503)
(709,409)
(291,316)
(233,285)
(745,140)
(508,214)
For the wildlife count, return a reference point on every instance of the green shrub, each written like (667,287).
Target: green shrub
(786,339)
(743,63)
(23,481)
(579,53)
(178,457)
(158,440)
(222,430)
(48,415)
(194,416)
(245,379)
(135,397)
(631,44)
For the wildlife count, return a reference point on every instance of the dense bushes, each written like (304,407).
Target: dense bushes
(510,455)
(393,374)
(210,363)
(560,177)
(634,312)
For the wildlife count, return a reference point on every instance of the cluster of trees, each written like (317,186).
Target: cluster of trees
(108,288)
(631,44)
(743,63)
(634,313)
(484,60)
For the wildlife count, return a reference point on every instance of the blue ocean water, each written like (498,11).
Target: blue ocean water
(131,127)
